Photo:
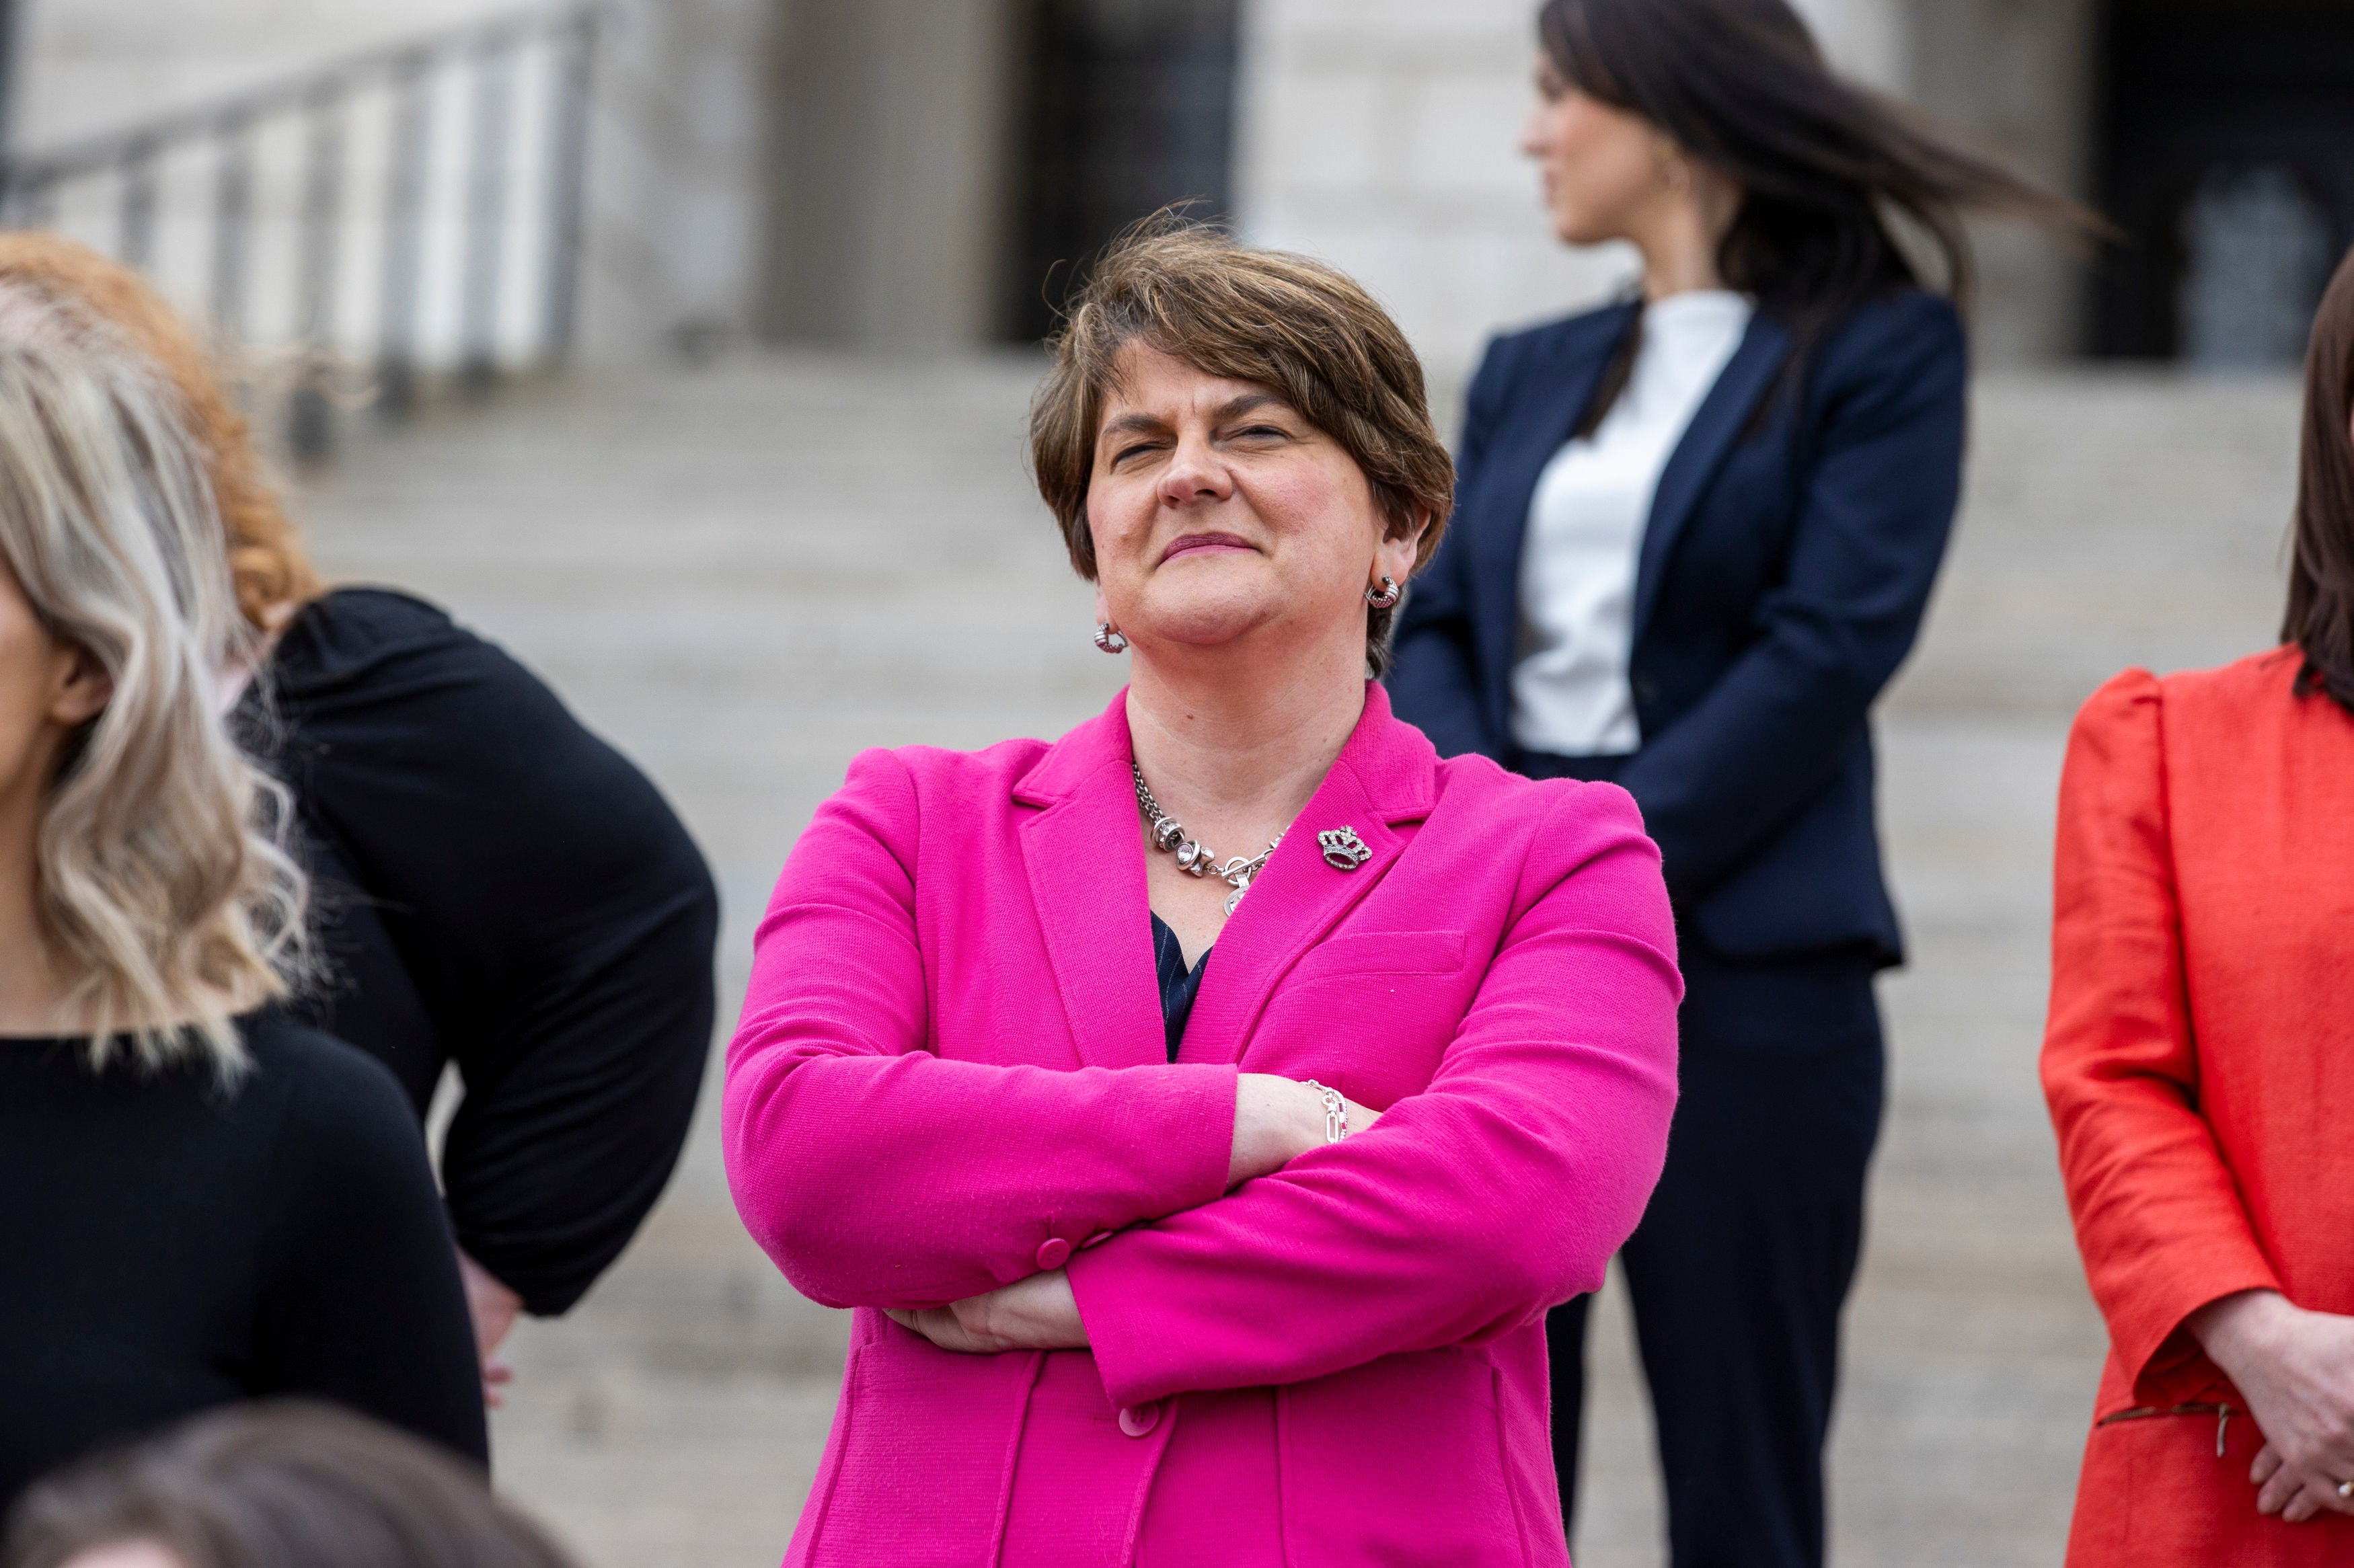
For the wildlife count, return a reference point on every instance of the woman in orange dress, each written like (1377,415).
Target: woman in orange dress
(2200,1062)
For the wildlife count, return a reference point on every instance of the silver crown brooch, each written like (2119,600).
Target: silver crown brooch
(1344,850)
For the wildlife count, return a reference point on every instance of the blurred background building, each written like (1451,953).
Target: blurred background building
(790,251)
(920,175)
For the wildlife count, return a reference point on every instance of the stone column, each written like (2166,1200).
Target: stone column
(675,154)
(887,175)
(2018,74)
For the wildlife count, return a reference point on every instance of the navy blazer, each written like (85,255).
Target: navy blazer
(1783,575)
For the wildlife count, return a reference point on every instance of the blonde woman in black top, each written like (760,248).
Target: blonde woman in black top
(201,1208)
(494,886)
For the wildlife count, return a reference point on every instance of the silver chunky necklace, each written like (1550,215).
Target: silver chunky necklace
(1192,858)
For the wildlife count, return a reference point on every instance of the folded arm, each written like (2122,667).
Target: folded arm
(877,1174)
(1500,1191)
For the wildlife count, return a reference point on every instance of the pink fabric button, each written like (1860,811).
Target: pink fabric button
(1139,1420)
(1053,1251)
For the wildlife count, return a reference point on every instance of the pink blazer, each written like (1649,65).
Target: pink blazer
(951,1073)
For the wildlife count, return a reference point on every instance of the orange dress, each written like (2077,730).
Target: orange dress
(2199,1066)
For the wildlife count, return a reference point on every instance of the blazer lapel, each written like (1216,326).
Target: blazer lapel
(1084,859)
(1385,774)
(1558,392)
(1722,415)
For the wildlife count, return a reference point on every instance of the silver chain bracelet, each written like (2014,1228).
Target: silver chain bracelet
(1336,1112)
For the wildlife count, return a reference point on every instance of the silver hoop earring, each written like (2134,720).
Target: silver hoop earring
(1387,596)
(1108,638)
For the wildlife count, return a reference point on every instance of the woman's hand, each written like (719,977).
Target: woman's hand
(1277,1120)
(2297,1369)
(493,1309)
(2285,1490)
(1035,1314)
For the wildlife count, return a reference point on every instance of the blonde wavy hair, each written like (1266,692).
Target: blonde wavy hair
(165,890)
(265,555)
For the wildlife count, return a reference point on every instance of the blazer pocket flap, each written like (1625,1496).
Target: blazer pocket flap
(1383,953)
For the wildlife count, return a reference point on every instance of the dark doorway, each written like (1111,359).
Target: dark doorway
(2227,155)
(1130,106)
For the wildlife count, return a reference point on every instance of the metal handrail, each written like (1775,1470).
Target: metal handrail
(322,98)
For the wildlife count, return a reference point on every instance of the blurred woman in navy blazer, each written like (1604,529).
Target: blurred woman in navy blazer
(1695,535)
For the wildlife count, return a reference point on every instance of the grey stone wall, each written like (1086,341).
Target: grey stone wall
(674,250)
(1382,135)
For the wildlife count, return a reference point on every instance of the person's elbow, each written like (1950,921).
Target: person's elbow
(1530,1262)
(794,1222)
(702,903)
(810,1182)
(786,1202)
(1553,1224)
(1575,1241)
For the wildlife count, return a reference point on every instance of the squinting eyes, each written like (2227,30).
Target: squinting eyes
(1253,432)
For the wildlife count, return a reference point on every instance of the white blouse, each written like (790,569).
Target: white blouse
(1570,690)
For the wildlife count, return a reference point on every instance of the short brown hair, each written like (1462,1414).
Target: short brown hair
(1277,319)
(266,561)
(284,1485)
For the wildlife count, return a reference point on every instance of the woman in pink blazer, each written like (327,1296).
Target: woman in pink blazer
(1253,1270)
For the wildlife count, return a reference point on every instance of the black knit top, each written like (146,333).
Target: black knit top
(168,1245)
(496,888)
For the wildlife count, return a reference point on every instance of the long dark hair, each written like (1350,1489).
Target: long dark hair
(1823,163)
(2320,618)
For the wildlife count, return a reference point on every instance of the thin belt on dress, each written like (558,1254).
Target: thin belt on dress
(2221,1412)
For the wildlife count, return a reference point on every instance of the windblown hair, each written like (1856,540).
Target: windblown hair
(162,889)
(265,556)
(2321,618)
(1822,163)
(278,1485)
(1294,326)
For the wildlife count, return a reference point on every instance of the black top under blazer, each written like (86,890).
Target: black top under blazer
(1792,544)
